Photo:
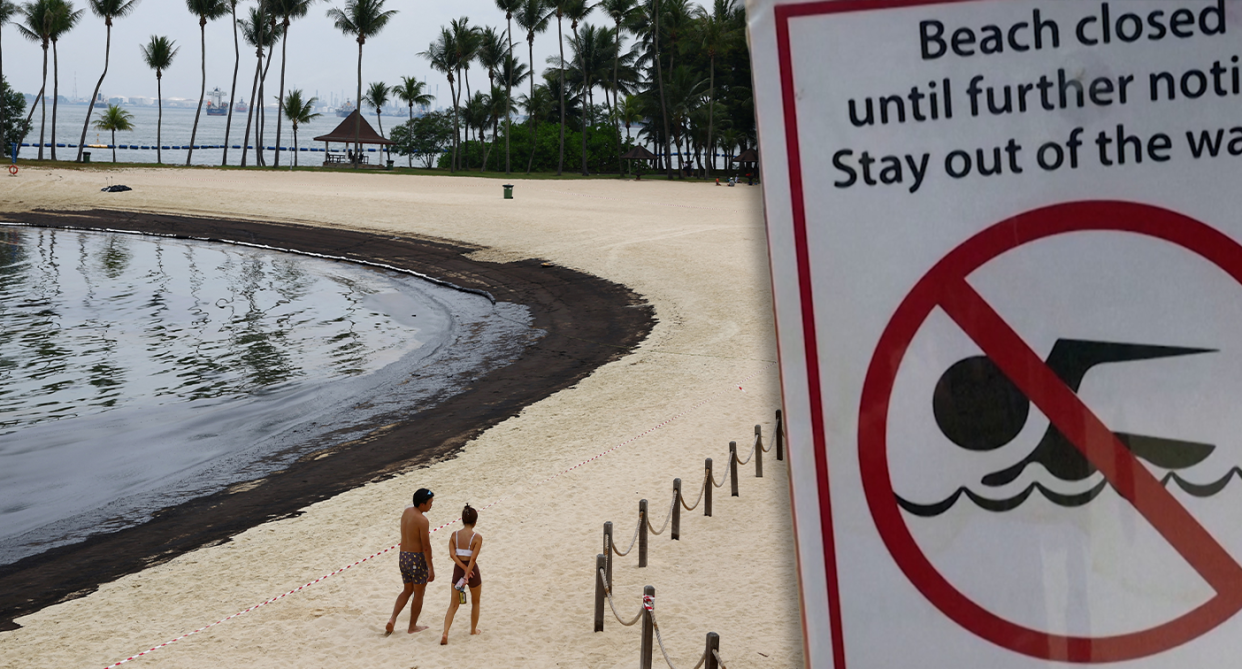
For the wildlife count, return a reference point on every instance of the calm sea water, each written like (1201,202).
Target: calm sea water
(178,124)
(137,372)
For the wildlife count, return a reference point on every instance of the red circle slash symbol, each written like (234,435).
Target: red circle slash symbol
(945,286)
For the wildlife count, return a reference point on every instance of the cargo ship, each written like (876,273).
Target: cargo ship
(345,110)
(217,107)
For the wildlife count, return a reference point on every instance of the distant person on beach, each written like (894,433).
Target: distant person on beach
(415,559)
(464,547)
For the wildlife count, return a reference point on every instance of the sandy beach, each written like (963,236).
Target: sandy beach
(705,375)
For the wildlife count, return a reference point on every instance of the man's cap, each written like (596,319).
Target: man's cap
(422,495)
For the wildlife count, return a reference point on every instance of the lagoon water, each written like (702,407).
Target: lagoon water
(138,372)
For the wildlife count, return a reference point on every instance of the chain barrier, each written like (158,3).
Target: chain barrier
(613,606)
(656,628)
(702,489)
(666,518)
(632,541)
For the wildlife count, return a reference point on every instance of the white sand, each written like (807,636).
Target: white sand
(696,252)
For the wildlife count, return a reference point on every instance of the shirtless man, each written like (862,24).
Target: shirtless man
(415,561)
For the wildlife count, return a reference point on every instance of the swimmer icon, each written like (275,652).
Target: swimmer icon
(979,409)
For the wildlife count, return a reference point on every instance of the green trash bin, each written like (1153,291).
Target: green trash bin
(508,191)
(86,156)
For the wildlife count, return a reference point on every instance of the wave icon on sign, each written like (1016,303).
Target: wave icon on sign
(979,408)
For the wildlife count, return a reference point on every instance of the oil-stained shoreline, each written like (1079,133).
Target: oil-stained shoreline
(588,321)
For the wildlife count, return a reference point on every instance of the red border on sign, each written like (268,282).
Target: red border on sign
(784,14)
(945,287)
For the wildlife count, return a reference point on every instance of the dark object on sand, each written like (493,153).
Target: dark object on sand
(118,188)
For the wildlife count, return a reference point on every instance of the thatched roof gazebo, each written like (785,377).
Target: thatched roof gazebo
(748,160)
(345,133)
(638,153)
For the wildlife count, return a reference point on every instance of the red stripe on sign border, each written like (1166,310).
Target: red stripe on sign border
(784,14)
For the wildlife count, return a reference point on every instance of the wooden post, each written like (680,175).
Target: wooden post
(707,488)
(780,436)
(642,533)
(608,552)
(733,467)
(713,643)
(644,658)
(676,509)
(758,452)
(599,593)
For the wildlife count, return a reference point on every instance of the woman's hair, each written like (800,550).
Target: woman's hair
(469,516)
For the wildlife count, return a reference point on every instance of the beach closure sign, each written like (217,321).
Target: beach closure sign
(1006,250)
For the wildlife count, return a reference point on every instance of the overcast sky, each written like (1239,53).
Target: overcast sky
(321,58)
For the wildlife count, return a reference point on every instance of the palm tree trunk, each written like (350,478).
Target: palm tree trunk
(508,97)
(159,124)
(4,146)
(711,116)
(113,146)
(295,145)
(284,49)
(452,164)
(616,102)
(409,157)
(91,107)
(534,125)
(668,152)
(43,98)
(358,122)
(586,87)
(55,93)
(254,87)
(262,118)
(463,156)
(202,92)
(228,126)
(560,40)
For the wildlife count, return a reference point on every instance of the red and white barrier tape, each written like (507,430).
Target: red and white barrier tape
(631,440)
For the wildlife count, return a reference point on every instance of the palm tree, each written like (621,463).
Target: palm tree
(106,10)
(442,56)
(257,32)
(531,18)
(629,112)
(477,115)
(270,27)
(37,27)
(7,10)
(64,20)
(623,13)
(558,7)
(377,97)
(114,118)
(467,41)
(228,126)
(287,10)
(206,10)
(717,37)
(158,54)
(578,10)
(411,91)
(509,7)
(362,19)
(298,111)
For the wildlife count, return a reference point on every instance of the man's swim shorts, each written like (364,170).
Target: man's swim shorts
(413,568)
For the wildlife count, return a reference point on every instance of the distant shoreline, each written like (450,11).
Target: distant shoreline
(589,322)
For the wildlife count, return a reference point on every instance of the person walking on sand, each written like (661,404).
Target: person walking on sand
(464,547)
(417,569)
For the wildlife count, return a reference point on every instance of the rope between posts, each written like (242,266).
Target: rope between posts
(702,489)
(723,476)
(636,529)
(748,457)
(759,440)
(656,628)
(666,519)
(608,591)
(718,660)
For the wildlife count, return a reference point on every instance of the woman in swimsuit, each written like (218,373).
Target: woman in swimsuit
(464,547)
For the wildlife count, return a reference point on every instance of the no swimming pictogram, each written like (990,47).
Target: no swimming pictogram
(1044,383)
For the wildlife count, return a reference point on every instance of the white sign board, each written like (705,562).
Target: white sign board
(1006,241)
